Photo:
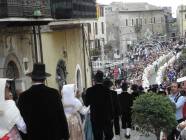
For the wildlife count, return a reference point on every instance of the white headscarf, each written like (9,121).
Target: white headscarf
(9,113)
(70,102)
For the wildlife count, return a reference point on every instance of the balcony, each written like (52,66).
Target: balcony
(69,9)
(138,28)
(20,12)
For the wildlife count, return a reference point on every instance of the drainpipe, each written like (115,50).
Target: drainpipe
(84,57)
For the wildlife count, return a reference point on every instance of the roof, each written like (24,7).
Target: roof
(15,21)
(136,6)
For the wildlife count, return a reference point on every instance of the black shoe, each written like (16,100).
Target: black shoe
(127,136)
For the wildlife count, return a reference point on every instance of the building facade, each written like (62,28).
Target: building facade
(18,23)
(171,23)
(128,23)
(62,45)
(97,37)
(66,53)
(181,20)
(16,57)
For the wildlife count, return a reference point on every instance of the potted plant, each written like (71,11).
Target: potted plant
(153,113)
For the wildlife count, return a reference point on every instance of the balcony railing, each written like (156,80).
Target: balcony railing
(24,8)
(138,28)
(66,9)
(59,9)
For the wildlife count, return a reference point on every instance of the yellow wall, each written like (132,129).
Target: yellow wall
(54,44)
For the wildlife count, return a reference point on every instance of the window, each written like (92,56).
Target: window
(101,11)
(162,20)
(141,21)
(151,20)
(132,22)
(154,20)
(103,27)
(145,21)
(136,21)
(185,16)
(96,27)
(89,28)
(126,22)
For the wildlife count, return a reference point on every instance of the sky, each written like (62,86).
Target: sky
(171,3)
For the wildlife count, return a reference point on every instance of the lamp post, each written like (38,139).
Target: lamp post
(37,14)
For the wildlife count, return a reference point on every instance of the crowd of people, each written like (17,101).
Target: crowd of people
(103,111)
(139,57)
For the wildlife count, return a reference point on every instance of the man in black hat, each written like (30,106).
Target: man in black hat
(42,109)
(115,103)
(101,113)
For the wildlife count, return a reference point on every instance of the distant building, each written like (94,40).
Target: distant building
(97,33)
(181,20)
(131,22)
(171,23)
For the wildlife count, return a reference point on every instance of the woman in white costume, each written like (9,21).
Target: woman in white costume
(10,117)
(72,108)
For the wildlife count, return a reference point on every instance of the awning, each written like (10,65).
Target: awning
(69,23)
(24,21)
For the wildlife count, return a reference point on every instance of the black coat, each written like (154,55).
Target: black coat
(126,102)
(99,99)
(43,113)
(115,103)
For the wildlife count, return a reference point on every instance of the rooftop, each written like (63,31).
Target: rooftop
(137,6)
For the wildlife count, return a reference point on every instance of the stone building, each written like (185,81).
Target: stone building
(128,23)
(63,45)
(16,56)
(66,53)
(171,24)
(181,20)
(97,37)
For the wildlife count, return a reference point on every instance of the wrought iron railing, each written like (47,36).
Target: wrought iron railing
(65,9)
(24,8)
(60,9)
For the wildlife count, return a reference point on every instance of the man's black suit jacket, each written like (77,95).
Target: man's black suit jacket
(99,99)
(43,113)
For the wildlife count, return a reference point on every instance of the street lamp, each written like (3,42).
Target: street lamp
(37,14)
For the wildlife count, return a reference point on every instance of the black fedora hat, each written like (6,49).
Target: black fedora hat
(38,72)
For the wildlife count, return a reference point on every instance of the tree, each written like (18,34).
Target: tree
(153,113)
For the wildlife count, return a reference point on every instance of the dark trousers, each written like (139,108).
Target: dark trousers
(101,131)
(116,125)
(126,120)
(175,132)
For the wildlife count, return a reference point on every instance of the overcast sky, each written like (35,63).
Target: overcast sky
(172,3)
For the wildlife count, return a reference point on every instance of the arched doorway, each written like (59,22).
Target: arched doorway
(12,71)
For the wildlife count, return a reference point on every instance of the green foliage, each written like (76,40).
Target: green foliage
(184,50)
(153,113)
(164,78)
(184,72)
(183,56)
